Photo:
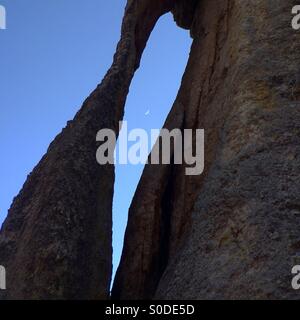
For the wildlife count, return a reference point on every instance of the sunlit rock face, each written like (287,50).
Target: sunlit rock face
(233,232)
(244,236)
(229,233)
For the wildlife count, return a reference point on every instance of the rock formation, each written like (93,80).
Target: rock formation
(56,242)
(232,232)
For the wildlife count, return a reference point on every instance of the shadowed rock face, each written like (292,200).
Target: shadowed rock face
(56,241)
(232,232)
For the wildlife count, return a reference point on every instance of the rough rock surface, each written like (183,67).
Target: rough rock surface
(233,232)
(230,233)
(56,242)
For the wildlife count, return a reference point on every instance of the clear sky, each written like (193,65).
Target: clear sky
(53,54)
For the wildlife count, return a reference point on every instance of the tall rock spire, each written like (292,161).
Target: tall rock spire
(232,232)
(56,242)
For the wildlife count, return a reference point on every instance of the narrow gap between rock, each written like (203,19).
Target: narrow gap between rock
(150,99)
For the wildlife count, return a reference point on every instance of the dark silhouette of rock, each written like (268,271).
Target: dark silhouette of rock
(56,241)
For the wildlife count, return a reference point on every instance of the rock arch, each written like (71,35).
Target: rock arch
(232,233)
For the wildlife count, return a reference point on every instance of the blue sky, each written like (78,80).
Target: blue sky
(53,54)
